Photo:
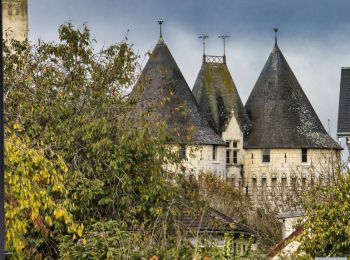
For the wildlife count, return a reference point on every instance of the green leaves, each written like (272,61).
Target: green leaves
(326,229)
(68,102)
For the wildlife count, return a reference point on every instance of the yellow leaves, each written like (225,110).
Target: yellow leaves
(29,80)
(59,213)
(30,179)
(43,173)
(16,126)
(80,230)
(48,220)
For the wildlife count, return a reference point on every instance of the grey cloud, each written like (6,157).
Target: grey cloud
(313,36)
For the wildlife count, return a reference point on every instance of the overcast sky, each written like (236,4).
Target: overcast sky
(314,36)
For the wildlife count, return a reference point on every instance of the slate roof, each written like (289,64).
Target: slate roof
(344,104)
(215,222)
(218,97)
(163,87)
(280,112)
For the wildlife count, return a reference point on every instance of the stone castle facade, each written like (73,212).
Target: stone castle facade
(272,145)
(15,19)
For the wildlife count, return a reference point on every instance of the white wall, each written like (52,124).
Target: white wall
(281,173)
(200,159)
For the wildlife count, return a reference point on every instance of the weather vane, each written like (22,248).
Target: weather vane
(275,30)
(223,37)
(203,37)
(160,22)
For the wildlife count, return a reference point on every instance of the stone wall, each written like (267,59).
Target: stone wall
(286,175)
(15,19)
(200,159)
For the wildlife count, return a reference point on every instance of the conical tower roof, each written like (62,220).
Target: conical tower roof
(280,112)
(218,97)
(162,85)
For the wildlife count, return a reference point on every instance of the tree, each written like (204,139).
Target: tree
(37,205)
(327,222)
(225,197)
(70,100)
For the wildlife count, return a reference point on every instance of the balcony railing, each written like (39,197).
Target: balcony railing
(214,59)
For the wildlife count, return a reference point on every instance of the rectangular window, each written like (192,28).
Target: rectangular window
(266,155)
(228,156)
(235,144)
(228,152)
(214,152)
(182,152)
(235,156)
(304,155)
(273,181)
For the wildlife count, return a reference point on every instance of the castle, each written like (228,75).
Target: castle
(269,146)
(273,145)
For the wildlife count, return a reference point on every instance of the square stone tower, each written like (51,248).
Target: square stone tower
(15,19)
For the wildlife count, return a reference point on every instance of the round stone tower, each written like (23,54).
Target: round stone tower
(15,19)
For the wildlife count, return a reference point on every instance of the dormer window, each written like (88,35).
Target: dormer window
(232,152)
(266,155)
(304,155)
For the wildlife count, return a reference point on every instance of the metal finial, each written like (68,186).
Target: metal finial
(160,22)
(203,37)
(223,37)
(275,30)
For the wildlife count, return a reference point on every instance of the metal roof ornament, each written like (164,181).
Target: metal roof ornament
(223,37)
(275,30)
(160,22)
(203,37)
